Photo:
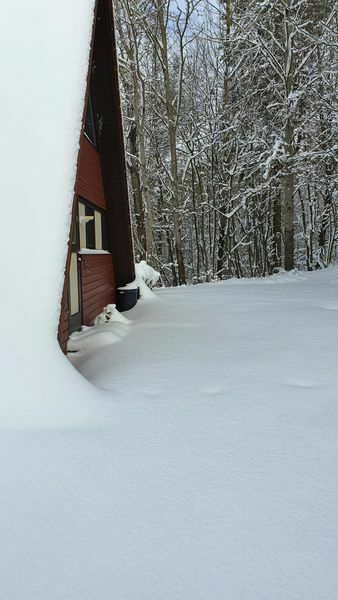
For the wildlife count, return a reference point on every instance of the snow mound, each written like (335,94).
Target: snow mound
(110,326)
(105,334)
(146,278)
(110,314)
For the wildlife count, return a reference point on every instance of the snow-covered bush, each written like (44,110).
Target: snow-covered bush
(146,278)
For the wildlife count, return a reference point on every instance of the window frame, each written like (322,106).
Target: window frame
(104,238)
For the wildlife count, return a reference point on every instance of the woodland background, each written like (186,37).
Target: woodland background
(230,126)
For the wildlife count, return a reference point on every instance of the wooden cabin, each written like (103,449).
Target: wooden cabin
(100,255)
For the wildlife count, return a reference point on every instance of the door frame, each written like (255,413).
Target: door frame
(76,320)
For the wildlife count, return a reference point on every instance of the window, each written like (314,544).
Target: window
(90,227)
(93,231)
(89,127)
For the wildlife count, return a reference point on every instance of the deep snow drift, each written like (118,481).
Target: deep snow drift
(215,476)
(44,47)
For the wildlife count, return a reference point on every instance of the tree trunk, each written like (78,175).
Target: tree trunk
(171,123)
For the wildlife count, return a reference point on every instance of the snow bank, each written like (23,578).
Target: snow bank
(217,475)
(82,345)
(44,48)
(110,327)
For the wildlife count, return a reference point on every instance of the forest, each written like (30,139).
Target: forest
(229,111)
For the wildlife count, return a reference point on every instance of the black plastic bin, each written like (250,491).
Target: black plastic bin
(126,298)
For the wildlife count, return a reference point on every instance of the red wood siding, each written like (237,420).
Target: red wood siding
(89,178)
(98,285)
(63,331)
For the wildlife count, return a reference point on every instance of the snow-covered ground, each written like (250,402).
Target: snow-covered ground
(212,472)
